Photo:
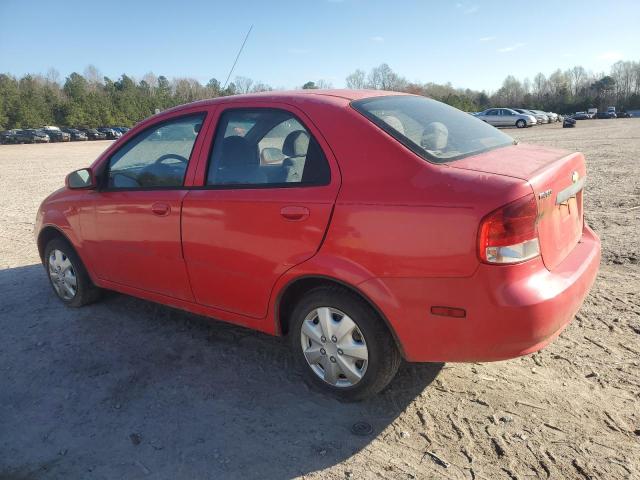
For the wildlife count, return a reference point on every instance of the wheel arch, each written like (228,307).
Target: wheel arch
(295,288)
(47,234)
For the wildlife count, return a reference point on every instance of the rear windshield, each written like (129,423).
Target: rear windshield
(435,131)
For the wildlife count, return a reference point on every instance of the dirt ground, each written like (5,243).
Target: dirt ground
(129,389)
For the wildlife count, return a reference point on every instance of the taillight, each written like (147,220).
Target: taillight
(509,234)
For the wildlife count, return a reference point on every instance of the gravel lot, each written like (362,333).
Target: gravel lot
(129,389)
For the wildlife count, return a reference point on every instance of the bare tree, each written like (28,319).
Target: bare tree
(243,84)
(539,85)
(356,80)
(323,84)
(93,77)
(53,76)
(151,79)
(577,76)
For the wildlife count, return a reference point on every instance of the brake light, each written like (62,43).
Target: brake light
(509,234)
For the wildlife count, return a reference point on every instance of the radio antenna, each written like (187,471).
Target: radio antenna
(237,57)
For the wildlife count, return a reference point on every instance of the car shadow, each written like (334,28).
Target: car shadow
(127,388)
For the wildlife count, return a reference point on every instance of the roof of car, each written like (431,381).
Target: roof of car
(332,96)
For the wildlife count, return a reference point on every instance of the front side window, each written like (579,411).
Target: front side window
(265,147)
(435,131)
(157,157)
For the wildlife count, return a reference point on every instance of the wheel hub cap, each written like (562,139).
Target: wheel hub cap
(62,275)
(334,347)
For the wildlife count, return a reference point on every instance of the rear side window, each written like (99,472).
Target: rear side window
(265,147)
(435,131)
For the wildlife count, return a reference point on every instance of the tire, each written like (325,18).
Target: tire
(369,376)
(57,254)
(521,124)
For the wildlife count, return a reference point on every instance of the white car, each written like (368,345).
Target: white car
(539,117)
(506,117)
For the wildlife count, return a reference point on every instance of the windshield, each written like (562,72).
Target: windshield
(435,131)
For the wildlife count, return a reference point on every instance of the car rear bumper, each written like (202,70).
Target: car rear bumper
(510,310)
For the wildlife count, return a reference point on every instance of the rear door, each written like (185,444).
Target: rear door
(266,195)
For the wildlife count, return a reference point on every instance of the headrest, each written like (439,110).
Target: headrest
(394,122)
(236,151)
(296,144)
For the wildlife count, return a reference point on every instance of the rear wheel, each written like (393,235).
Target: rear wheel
(67,274)
(341,344)
(521,124)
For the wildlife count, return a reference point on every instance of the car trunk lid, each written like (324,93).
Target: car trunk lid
(557,179)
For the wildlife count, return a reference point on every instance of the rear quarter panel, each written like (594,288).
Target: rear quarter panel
(396,214)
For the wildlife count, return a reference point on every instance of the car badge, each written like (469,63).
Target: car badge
(545,194)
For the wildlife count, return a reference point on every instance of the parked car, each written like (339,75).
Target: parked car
(7,136)
(55,134)
(31,135)
(506,117)
(545,117)
(93,134)
(540,118)
(581,116)
(122,130)
(605,115)
(568,122)
(76,135)
(111,133)
(624,114)
(553,117)
(467,247)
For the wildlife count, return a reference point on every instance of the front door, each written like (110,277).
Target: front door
(264,206)
(137,209)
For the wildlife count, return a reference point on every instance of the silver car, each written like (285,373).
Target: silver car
(545,116)
(506,117)
(540,118)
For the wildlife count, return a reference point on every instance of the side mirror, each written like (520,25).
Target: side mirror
(81,179)
(271,155)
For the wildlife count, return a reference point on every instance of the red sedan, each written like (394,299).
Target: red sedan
(367,226)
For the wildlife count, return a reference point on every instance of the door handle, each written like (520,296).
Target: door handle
(160,209)
(294,213)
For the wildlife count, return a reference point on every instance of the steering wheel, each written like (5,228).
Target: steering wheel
(172,155)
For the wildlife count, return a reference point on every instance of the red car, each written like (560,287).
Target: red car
(367,226)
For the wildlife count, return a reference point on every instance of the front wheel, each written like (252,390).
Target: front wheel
(341,344)
(521,124)
(67,275)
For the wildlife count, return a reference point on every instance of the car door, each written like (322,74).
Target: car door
(137,208)
(493,117)
(267,194)
(508,119)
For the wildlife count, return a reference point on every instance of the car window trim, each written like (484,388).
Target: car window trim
(254,186)
(104,173)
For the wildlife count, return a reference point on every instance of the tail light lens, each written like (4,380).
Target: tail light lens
(509,234)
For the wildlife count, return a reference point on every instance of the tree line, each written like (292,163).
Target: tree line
(574,89)
(90,99)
